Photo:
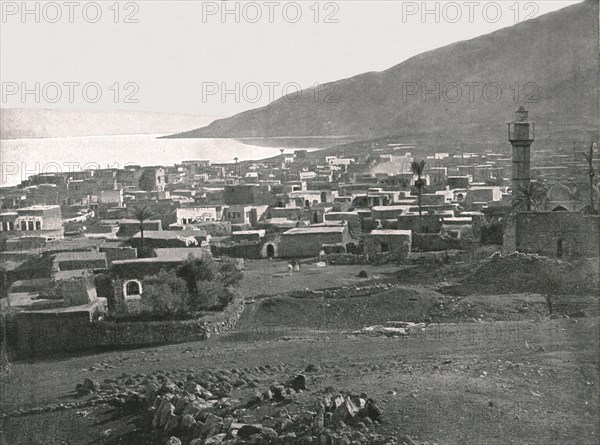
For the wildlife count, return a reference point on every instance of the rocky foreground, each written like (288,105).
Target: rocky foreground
(243,406)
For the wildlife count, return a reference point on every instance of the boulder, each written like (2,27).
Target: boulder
(188,422)
(91,385)
(297,383)
(193,388)
(210,425)
(173,441)
(172,423)
(253,399)
(162,414)
(216,439)
(371,410)
(249,430)
(168,386)
(268,433)
(196,407)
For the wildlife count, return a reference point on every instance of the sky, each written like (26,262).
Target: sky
(220,58)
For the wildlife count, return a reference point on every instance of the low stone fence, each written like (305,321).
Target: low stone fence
(40,334)
(434,242)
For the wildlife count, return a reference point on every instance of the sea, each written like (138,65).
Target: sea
(21,158)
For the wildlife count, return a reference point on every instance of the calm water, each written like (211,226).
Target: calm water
(22,158)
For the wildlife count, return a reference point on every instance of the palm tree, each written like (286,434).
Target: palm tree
(529,196)
(417,167)
(141,214)
(591,173)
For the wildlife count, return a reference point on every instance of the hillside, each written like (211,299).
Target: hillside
(21,123)
(554,62)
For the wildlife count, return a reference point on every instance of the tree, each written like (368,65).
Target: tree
(4,283)
(417,167)
(195,270)
(141,214)
(591,174)
(165,295)
(147,181)
(529,197)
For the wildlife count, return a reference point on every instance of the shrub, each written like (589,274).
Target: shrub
(492,233)
(194,270)
(230,273)
(165,295)
(209,284)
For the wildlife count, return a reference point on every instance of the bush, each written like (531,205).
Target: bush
(194,270)
(165,295)
(209,284)
(104,289)
(492,233)
(230,273)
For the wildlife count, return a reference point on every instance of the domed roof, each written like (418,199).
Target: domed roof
(559,192)
(582,192)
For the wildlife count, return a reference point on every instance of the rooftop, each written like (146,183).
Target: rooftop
(249,232)
(313,230)
(80,256)
(391,232)
(170,234)
(40,207)
(179,253)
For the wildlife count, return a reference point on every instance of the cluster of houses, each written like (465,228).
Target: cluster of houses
(60,226)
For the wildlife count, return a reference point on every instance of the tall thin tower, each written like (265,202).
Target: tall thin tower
(521,135)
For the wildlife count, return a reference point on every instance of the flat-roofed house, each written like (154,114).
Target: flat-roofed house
(383,241)
(308,241)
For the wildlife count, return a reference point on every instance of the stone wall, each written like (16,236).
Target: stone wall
(40,334)
(398,243)
(248,250)
(552,233)
(433,242)
(308,244)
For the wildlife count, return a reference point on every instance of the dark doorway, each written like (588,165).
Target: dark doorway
(307,203)
(559,249)
(270,251)
(385,247)
(315,217)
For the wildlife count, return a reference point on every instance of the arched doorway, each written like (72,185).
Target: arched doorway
(559,248)
(559,209)
(270,251)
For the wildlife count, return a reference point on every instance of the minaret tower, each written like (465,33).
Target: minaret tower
(521,135)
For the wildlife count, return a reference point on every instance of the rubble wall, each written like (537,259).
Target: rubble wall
(40,334)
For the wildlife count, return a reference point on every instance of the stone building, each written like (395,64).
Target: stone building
(383,241)
(572,199)
(35,218)
(308,241)
(554,234)
(75,260)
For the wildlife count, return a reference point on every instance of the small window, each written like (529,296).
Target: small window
(29,225)
(132,289)
(38,225)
